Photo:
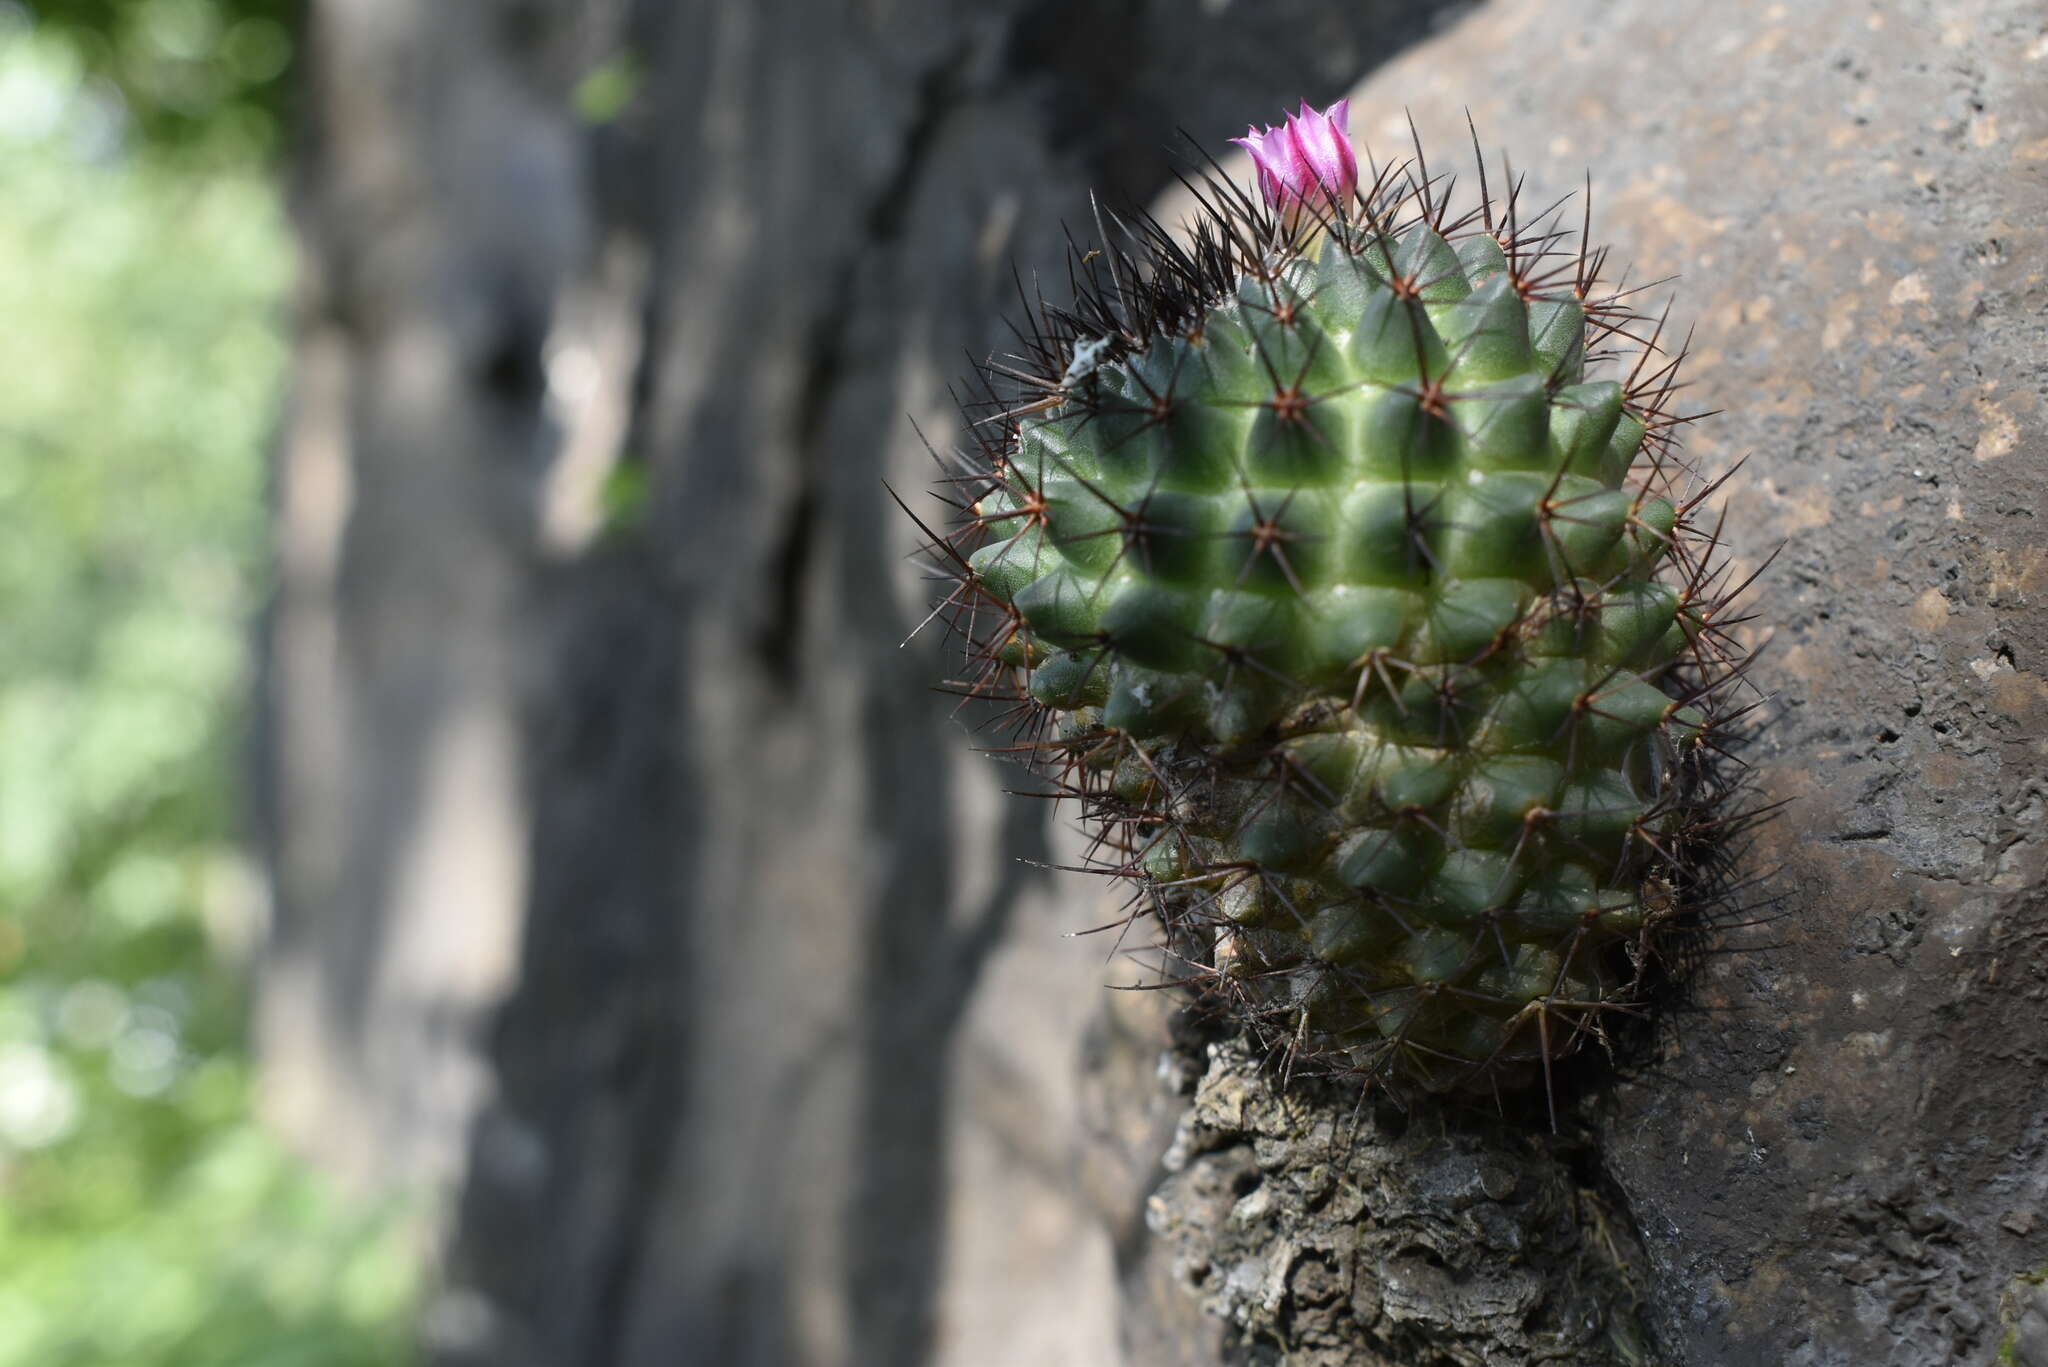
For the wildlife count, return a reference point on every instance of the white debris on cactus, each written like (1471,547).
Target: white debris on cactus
(1087,355)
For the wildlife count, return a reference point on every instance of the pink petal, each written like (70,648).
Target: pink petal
(1324,153)
(1310,154)
(1274,159)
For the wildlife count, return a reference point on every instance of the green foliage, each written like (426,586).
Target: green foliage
(185,74)
(145,1218)
(607,92)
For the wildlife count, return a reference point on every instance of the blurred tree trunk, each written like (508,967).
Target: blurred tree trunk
(636,895)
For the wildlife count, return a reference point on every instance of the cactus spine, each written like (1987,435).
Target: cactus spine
(1339,558)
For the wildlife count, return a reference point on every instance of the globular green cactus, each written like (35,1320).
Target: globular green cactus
(1334,555)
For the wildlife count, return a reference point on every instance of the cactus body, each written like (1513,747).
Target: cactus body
(1352,599)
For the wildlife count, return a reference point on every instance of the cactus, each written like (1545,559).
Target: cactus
(1337,556)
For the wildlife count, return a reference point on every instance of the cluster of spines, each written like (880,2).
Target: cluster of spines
(1147,284)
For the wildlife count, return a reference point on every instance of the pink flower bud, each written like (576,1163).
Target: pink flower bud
(1310,155)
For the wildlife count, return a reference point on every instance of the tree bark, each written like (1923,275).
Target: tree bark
(634,891)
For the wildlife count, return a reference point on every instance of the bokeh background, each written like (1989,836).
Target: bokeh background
(146,1216)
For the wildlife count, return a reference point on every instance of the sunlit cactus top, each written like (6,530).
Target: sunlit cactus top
(1308,158)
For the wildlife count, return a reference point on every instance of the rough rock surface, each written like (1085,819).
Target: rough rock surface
(1333,1232)
(1836,1151)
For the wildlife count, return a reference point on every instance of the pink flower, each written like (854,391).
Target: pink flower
(1310,155)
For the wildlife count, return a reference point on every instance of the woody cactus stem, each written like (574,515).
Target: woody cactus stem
(1338,558)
